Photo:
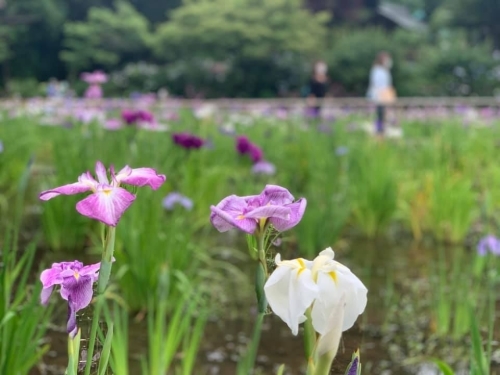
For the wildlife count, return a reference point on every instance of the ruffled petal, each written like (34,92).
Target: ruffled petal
(356,296)
(269,211)
(106,205)
(277,195)
(328,299)
(290,290)
(91,270)
(78,289)
(225,220)
(51,276)
(140,177)
(297,210)
(330,340)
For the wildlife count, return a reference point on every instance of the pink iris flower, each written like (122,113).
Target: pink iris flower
(108,200)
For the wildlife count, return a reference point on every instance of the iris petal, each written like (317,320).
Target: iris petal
(140,177)
(106,205)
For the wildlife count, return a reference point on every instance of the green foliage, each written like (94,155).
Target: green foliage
(224,47)
(106,38)
(240,29)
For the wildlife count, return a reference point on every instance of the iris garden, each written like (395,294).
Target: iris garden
(332,241)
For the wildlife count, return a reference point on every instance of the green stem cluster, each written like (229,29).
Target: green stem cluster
(102,283)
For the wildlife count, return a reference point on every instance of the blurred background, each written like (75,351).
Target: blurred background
(249,48)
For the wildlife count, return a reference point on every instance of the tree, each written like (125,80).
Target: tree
(107,38)
(222,29)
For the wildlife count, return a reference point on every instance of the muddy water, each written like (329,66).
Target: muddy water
(384,266)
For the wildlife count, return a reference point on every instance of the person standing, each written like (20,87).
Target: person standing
(380,89)
(318,86)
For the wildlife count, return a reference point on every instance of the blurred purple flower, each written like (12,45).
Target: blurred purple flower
(176,198)
(112,124)
(255,153)
(242,144)
(145,116)
(187,140)
(274,204)
(97,77)
(264,167)
(76,282)
(94,91)
(489,244)
(129,116)
(1,147)
(341,150)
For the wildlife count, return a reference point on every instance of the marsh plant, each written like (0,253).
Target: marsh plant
(323,294)
(107,202)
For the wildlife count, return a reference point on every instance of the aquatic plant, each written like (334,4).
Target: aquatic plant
(323,293)
(107,203)
(274,209)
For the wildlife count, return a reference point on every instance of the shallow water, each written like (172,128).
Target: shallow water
(386,267)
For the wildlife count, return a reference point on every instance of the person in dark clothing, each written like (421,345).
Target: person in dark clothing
(318,86)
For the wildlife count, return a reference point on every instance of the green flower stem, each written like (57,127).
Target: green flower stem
(93,333)
(309,338)
(260,279)
(106,261)
(73,353)
(324,363)
(102,283)
(254,344)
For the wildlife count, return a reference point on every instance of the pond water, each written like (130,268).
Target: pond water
(395,272)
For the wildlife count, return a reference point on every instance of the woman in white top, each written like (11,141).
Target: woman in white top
(380,89)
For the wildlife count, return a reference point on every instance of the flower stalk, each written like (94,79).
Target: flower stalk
(106,261)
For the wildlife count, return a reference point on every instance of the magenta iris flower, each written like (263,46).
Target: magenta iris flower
(187,140)
(274,205)
(244,146)
(131,116)
(76,281)
(108,200)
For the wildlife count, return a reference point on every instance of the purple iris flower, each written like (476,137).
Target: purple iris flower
(489,244)
(108,200)
(175,198)
(255,153)
(274,205)
(187,140)
(244,146)
(76,282)
(129,116)
(145,116)
(264,167)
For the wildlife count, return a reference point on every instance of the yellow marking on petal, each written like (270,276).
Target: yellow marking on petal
(107,191)
(76,275)
(333,275)
(302,266)
(240,217)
